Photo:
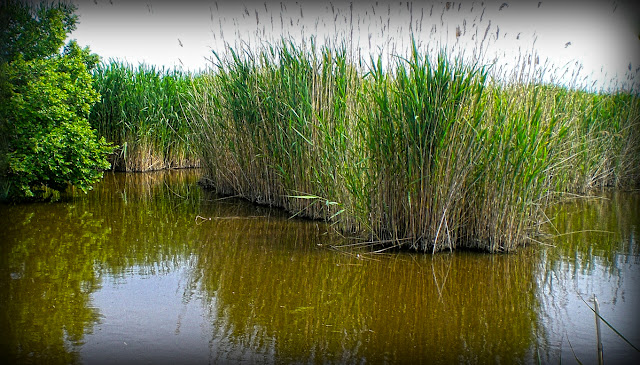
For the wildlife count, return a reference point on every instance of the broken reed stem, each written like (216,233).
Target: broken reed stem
(598,336)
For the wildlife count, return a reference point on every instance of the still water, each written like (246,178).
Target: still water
(149,268)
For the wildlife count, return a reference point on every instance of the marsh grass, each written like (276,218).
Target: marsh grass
(426,152)
(141,111)
(386,136)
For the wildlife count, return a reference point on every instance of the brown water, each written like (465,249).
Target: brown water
(131,273)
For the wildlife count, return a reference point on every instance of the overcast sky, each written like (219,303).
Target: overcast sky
(601,38)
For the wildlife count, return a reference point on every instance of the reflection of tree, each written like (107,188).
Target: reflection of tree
(47,269)
(273,291)
(52,256)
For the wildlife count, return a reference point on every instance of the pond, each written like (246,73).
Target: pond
(149,268)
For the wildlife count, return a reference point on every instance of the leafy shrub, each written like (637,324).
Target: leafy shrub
(47,141)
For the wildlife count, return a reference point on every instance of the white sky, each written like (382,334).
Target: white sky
(603,35)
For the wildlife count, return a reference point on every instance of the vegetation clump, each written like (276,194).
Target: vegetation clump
(427,152)
(46,140)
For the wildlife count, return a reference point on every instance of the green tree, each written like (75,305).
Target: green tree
(46,92)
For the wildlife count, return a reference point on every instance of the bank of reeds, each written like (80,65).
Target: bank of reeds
(141,111)
(427,152)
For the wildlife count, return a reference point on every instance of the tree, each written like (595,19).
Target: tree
(46,94)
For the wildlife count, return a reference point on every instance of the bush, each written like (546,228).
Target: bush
(47,141)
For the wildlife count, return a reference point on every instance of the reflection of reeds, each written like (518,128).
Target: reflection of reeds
(295,302)
(63,253)
(603,229)
(148,216)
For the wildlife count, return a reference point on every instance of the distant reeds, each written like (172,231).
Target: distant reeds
(425,152)
(141,111)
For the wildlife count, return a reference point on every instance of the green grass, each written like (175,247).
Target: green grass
(427,152)
(141,110)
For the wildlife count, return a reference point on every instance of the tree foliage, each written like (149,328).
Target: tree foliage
(46,93)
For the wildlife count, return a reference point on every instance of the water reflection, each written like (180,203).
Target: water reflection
(596,253)
(310,306)
(603,228)
(53,256)
(149,268)
(47,277)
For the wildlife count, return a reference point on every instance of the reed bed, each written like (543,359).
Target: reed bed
(141,111)
(390,139)
(429,145)
(427,152)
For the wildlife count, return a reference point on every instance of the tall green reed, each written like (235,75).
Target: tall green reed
(602,141)
(141,110)
(268,119)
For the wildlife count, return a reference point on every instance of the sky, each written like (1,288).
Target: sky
(592,44)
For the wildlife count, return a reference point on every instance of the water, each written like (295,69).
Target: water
(136,272)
